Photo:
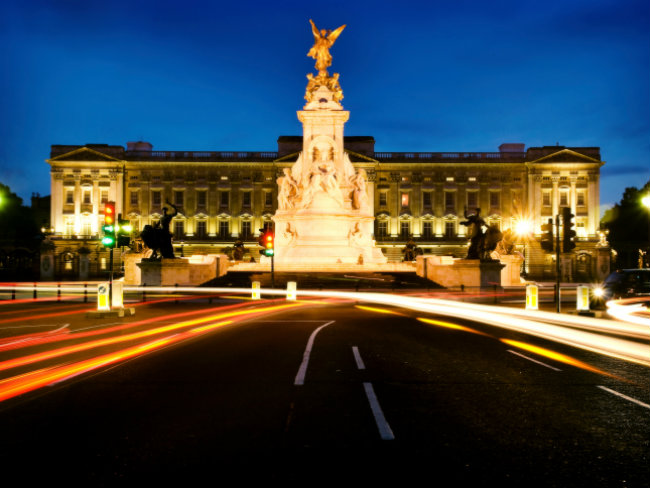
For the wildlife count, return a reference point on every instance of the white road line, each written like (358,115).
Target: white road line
(357,358)
(300,377)
(633,400)
(534,360)
(384,429)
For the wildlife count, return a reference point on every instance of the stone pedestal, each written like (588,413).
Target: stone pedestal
(47,266)
(192,271)
(511,273)
(453,273)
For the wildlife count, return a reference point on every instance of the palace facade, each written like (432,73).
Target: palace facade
(225,196)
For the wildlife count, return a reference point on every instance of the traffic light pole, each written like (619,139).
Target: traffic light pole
(273,270)
(557,263)
(110,279)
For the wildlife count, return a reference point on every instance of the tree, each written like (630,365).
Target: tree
(628,226)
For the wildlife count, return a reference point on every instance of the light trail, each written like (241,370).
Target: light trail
(449,325)
(24,383)
(63,351)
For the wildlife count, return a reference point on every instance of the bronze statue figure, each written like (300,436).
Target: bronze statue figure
(158,238)
(482,243)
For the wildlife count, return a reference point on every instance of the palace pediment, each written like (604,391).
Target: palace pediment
(85,154)
(565,156)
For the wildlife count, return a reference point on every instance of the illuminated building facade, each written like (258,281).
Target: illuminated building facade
(226,196)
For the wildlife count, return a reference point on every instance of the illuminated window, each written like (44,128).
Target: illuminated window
(134,198)
(449,178)
(546,199)
(104,196)
(224,178)
(224,229)
(69,197)
(471,178)
(405,199)
(580,199)
(87,194)
(102,264)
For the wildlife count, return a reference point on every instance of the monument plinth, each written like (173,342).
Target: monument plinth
(324,213)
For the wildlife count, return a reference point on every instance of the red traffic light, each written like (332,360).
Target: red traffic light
(109,213)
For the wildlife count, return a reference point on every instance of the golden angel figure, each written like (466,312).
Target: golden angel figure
(323,40)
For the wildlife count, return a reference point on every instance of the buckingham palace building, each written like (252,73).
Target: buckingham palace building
(227,196)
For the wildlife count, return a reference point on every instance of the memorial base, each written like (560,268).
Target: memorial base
(454,273)
(191,271)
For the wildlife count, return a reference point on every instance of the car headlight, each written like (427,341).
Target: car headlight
(598,292)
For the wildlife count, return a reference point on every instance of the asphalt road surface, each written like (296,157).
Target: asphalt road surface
(331,393)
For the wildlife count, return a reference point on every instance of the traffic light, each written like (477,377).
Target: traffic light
(547,235)
(266,240)
(569,233)
(123,229)
(109,225)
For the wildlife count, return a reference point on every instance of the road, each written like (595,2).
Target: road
(314,392)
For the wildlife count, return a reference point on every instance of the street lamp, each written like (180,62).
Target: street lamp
(646,203)
(523,229)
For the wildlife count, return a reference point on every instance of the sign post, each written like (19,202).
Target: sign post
(291,290)
(532,297)
(582,298)
(256,294)
(103,298)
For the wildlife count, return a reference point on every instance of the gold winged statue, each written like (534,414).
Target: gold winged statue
(320,51)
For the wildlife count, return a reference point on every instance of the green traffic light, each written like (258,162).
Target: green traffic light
(108,241)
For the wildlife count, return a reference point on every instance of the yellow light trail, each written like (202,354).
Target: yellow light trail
(449,325)
(378,310)
(556,356)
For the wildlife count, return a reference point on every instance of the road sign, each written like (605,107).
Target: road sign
(532,297)
(582,298)
(103,301)
(118,295)
(291,290)
(256,290)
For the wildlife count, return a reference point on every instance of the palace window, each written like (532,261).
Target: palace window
(246,229)
(69,197)
(87,196)
(382,228)
(179,197)
(201,198)
(383,198)
(427,229)
(268,199)
(564,198)
(450,200)
(104,196)
(472,199)
(156,198)
(246,199)
(225,198)
(201,229)
(546,198)
(426,199)
(224,229)
(134,198)
(495,199)
(405,229)
(580,199)
(179,229)
(450,229)
(405,199)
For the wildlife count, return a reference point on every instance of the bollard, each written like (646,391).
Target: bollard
(85,292)
(35,293)
(176,293)
(291,290)
(144,293)
(532,297)
(256,293)
(495,294)
(13,293)
(58,292)
(582,298)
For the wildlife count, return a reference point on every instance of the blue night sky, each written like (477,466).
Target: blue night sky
(416,75)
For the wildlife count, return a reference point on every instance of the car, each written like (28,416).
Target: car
(622,283)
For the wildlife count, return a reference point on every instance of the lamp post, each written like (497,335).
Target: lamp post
(523,229)
(646,203)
